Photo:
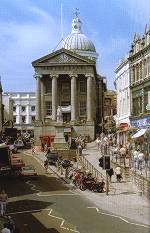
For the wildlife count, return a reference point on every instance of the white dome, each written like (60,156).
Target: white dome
(78,42)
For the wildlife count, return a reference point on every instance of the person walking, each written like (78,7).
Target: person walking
(5,229)
(110,172)
(3,202)
(118,174)
(46,165)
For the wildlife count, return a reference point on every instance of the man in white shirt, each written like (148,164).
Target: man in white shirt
(135,158)
(140,160)
(5,229)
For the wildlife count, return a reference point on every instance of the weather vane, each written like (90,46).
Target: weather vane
(77,12)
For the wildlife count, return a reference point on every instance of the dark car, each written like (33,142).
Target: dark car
(52,158)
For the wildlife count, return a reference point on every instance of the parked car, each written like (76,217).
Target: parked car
(28,171)
(16,162)
(52,158)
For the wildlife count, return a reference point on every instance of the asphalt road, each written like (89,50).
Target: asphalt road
(47,205)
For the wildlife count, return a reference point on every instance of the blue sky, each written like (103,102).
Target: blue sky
(30,29)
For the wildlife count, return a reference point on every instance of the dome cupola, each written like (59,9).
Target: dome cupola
(78,42)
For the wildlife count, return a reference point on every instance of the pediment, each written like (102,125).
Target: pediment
(62,56)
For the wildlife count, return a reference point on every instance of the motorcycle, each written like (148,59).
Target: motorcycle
(92,185)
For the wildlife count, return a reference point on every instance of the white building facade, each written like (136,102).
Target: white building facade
(24,109)
(122,84)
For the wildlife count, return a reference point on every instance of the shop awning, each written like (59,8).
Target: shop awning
(139,133)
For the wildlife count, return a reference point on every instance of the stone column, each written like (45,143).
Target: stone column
(89,98)
(135,72)
(28,114)
(142,77)
(132,74)
(38,97)
(73,97)
(54,96)
(42,101)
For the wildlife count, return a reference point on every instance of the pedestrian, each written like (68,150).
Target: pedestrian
(79,149)
(118,174)
(5,229)
(140,160)
(10,224)
(46,165)
(3,202)
(110,172)
(98,142)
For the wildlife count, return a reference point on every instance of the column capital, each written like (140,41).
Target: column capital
(37,75)
(54,76)
(89,75)
(73,75)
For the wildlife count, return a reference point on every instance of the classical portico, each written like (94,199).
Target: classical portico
(67,79)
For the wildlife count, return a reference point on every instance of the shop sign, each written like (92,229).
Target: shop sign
(141,123)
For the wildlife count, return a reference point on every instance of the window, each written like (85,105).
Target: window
(23,119)
(83,108)
(32,108)
(33,118)
(137,105)
(48,86)
(107,101)
(23,108)
(14,119)
(66,89)
(65,103)
(48,108)
(82,87)
(14,108)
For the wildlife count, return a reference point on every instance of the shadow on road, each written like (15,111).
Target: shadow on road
(27,205)
(17,187)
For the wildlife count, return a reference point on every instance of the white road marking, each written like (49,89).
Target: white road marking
(116,216)
(26,211)
(33,187)
(62,222)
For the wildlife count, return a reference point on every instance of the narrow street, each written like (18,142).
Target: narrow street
(48,205)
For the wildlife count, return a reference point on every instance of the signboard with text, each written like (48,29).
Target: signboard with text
(141,123)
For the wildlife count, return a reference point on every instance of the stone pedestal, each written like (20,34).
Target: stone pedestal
(59,140)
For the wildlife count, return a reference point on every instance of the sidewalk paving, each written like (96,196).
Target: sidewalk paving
(124,198)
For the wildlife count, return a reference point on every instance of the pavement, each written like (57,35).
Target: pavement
(124,198)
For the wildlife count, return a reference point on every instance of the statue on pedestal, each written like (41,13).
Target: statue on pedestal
(59,114)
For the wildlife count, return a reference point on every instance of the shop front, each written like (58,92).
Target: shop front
(142,136)
(122,133)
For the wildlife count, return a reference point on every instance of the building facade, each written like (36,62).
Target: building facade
(139,60)
(22,111)
(67,82)
(122,85)
(110,105)
(1,108)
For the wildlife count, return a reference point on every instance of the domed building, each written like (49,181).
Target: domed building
(69,90)
(78,42)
